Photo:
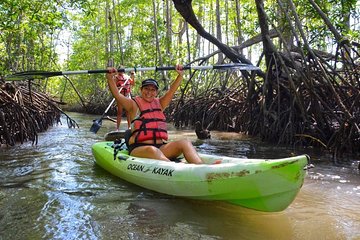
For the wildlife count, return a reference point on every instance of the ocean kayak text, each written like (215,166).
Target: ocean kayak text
(156,170)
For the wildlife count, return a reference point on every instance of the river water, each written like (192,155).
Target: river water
(54,190)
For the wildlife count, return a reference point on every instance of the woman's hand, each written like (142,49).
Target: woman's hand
(111,72)
(179,69)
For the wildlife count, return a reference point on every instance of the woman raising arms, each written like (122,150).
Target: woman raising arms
(148,123)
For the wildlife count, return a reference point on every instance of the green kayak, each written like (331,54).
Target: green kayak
(268,185)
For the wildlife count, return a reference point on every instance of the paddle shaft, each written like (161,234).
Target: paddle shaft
(42,74)
(167,68)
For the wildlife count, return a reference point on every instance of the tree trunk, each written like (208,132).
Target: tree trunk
(269,51)
(157,44)
(168,29)
(184,7)
(218,29)
(118,33)
(240,38)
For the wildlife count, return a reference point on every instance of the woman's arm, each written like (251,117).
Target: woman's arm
(168,96)
(125,102)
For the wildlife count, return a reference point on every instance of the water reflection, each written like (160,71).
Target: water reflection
(54,190)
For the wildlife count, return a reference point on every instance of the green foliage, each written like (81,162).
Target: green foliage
(338,12)
(30,31)
(28,28)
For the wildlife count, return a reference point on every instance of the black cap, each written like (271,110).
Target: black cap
(150,81)
(121,69)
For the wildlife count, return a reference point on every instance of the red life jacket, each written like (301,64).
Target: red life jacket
(151,123)
(120,80)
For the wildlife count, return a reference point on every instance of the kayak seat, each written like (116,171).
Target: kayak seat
(176,159)
(127,136)
(118,146)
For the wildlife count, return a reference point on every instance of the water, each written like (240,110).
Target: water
(54,190)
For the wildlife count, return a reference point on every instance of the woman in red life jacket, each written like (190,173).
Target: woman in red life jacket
(148,128)
(124,84)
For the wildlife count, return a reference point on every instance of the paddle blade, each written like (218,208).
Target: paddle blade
(30,75)
(96,125)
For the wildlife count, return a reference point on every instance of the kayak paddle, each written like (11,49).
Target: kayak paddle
(38,74)
(29,75)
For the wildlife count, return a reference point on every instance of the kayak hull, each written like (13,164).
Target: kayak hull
(260,184)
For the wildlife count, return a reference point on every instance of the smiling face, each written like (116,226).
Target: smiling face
(149,92)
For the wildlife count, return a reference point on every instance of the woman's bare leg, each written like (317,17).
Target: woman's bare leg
(149,152)
(176,148)
(128,119)
(118,117)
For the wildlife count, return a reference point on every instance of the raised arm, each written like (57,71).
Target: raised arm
(125,102)
(168,96)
